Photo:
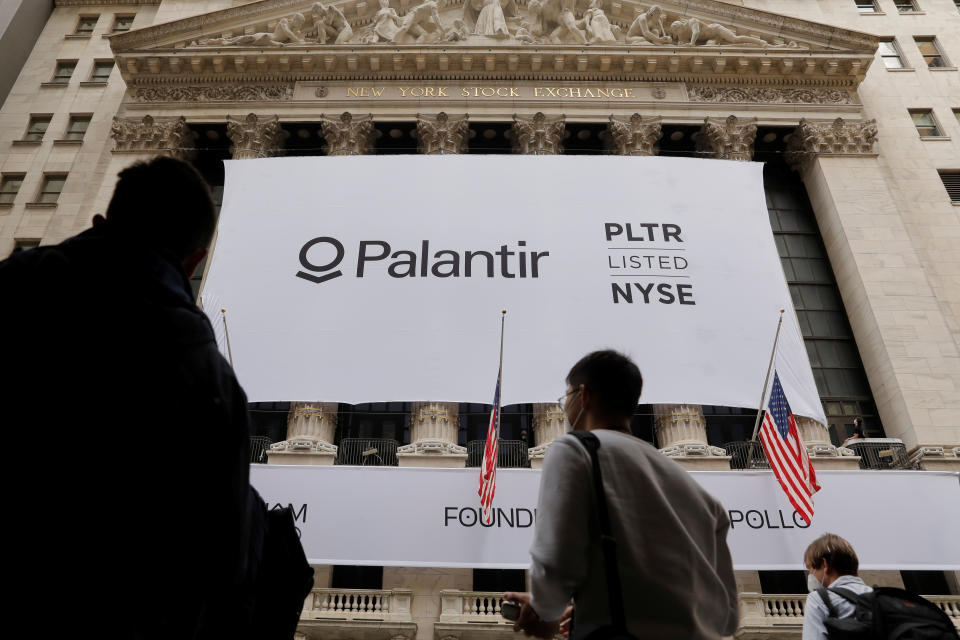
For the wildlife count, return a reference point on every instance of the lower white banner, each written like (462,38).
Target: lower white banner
(430,517)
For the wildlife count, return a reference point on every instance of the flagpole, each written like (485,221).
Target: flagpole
(766,381)
(503,317)
(227,334)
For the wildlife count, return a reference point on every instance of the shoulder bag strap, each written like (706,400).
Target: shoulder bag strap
(607,542)
(825,596)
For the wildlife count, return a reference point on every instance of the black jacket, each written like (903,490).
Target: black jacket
(127,446)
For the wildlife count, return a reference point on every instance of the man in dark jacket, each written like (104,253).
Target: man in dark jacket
(127,479)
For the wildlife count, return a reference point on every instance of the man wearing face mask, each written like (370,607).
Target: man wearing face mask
(675,569)
(832,562)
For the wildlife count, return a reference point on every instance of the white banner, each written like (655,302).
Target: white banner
(429,517)
(381,278)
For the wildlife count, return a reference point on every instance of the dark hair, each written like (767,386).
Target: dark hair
(838,553)
(165,203)
(612,378)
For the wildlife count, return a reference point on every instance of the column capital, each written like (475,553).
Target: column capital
(167,136)
(310,433)
(433,432)
(347,135)
(440,134)
(255,136)
(636,136)
(538,135)
(813,138)
(727,139)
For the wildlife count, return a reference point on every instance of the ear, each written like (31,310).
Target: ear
(98,220)
(193,260)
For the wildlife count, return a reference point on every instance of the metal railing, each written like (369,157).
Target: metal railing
(511,454)
(259,445)
(880,453)
(367,452)
(746,454)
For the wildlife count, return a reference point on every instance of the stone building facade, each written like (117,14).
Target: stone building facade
(854,105)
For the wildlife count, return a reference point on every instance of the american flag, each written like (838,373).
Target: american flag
(488,468)
(786,453)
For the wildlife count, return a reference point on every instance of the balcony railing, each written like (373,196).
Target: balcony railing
(950,606)
(471,606)
(367,452)
(358,604)
(259,445)
(511,454)
(746,455)
(881,453)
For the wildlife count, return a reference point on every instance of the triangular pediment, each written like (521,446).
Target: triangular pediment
(483,36)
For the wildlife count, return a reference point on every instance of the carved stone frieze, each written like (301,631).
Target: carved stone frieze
(538,135)
(838,137)
(729,139)
(768,95)
(169,136)
(217,93)
(636,136)
(348,136)
(255,136)
(442,135)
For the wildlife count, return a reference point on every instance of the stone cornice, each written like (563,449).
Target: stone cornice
(90,3)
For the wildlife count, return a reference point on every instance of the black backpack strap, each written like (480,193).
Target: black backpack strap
(825,596)
(607,542)
(848,595)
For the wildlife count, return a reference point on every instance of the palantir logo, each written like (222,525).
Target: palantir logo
(323,269)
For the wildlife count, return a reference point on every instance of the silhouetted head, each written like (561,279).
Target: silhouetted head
(605,386)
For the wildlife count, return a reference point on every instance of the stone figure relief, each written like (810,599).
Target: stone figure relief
(576,22)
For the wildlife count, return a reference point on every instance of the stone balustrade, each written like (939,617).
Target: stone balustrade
(471,606)
(950,606)
(358,604)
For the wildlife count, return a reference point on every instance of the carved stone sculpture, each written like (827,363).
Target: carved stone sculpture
(692,32)
(597,25)
(839,137)
(473,15)
(346,136)
(329,24)
(441,135)
(730,139)
(421,25)
(538,135)
(288,30)
(255,137)
(168,136)
(386,24)
(647,27)
(634,137)
(491,21)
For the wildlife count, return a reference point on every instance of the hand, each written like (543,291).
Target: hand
(565,621)
(529,621)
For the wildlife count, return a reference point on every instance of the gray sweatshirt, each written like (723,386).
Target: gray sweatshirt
(675,566)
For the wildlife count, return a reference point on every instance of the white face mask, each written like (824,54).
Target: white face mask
(813,583)
(571,426)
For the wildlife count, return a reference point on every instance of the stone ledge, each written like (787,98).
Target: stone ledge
(26,143)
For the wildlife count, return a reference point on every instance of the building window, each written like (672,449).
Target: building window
(86,25)
(25,244)
(9,186)
(783,582)
(866,6)
(64,71)
(499,580)
(951,182)
(925,123)
(356,577)
(77,127)
(37,127)
(890,54)
(101,70)
(122,23)
(956,114)
(930,51)
(906,6)
(51,188)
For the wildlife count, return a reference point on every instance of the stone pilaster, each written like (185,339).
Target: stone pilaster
(729,139)
(255,136)
(636,136)
(433,437)
(823,454)
(549,423)
(151,136)
(682,435)
(347,135)
(310,429)
(442,135)
(813,138)
(538,135)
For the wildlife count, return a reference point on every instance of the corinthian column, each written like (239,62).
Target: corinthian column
(310,429)
(441,134)
(636,136)
(348,136)
(845,138)
(730,139)
(538,135)
(255,136)
(549,423)
(149,136)
(433,437)
(682,434)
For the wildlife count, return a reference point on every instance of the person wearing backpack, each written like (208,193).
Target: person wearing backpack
(841,607)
